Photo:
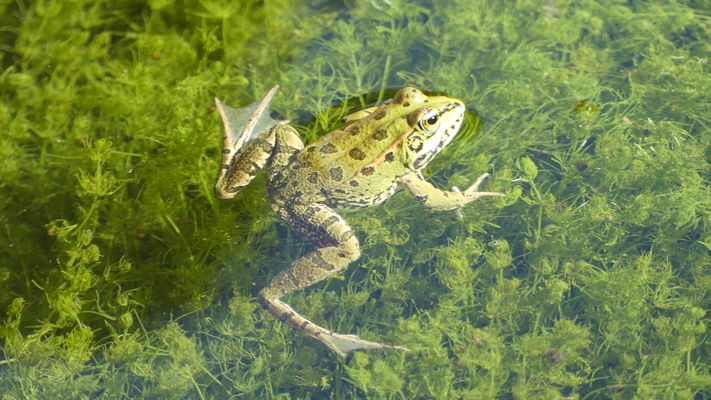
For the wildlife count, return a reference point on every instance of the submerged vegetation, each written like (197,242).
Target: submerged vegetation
(122,276)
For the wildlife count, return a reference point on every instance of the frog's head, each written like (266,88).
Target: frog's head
(433,123)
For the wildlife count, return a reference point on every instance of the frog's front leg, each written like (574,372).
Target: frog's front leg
(441,200)
(337,247)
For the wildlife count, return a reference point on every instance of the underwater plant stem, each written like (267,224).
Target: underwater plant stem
(169,221)
(358,79)
(197,387)
(539,229)
(92,208)
(94,200)
(383,82)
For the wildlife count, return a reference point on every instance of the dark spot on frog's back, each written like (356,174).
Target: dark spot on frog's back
(336,173)
(354,183)
(357,154)
(379,114)
(328,148)
(330,221)
(312,178)
(380,134)
(367,171)
(389,156)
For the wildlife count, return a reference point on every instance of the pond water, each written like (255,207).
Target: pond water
(123,276)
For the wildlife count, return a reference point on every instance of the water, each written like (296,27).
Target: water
(123,276)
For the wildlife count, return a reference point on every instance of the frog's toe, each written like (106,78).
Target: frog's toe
(473,193)
(344,344)
(475,186)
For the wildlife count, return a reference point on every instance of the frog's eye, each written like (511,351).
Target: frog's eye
(429,122)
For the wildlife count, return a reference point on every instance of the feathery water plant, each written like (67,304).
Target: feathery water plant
(123,276)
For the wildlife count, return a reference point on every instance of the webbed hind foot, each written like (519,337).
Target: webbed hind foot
(344,344)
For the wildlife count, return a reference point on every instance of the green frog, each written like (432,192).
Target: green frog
(377,151)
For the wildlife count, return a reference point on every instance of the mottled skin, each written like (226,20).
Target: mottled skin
(378,151)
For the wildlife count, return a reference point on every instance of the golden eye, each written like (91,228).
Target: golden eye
(429,122)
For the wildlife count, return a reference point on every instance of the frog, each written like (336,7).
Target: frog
(375,153)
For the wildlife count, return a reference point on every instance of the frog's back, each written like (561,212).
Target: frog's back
(353,167)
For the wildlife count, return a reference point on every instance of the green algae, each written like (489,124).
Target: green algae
(122,276)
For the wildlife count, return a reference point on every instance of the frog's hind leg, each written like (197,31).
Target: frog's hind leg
(247,143)
(244,124)
(273,148)
(243,166)
(338,247)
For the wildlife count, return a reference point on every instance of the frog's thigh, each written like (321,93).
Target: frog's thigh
(337,247)
(288,143)
(244,165)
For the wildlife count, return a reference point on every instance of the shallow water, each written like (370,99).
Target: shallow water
(123,277)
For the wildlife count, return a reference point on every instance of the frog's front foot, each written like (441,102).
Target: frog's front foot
(472,193)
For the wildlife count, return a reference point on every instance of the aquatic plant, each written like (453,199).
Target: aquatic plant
(122,276)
